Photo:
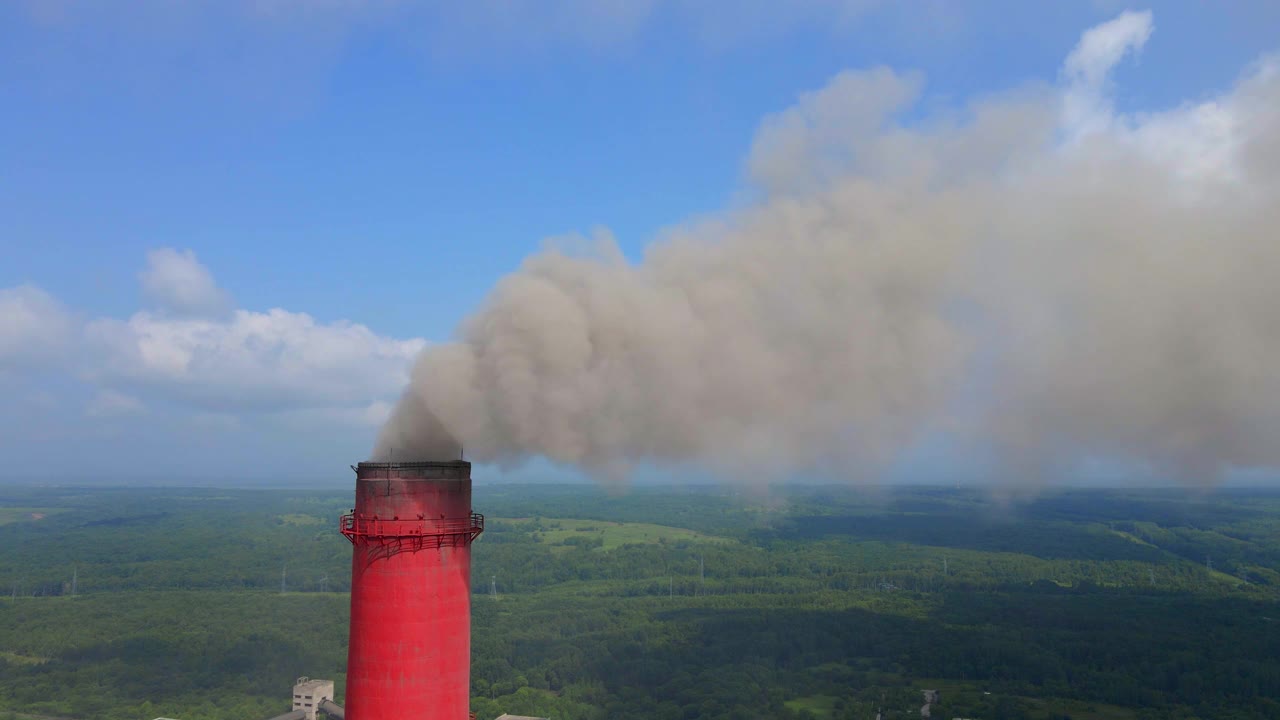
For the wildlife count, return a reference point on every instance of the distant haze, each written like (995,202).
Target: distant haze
(1038,273)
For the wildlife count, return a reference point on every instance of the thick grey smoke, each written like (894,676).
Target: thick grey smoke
(1110,282)
(414,432)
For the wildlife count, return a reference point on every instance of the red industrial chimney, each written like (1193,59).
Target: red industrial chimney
(410,649)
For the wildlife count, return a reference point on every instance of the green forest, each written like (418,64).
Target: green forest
(667,603)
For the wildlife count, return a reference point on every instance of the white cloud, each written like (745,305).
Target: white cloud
(1087,70)
(723,25)
(253,361)
(214,422)
(376,414)
(478,28)
(111,403)
(366,417)
(602,24)
(178,284)
(1220,139)
(34,327)
(530,24)
(1103,46)
(223,364)
(1199,142)
(853,125)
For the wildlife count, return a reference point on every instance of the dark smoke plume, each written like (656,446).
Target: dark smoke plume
(1111,281)
(413,432)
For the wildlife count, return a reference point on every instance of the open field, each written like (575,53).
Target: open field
(603,535)
(25,514)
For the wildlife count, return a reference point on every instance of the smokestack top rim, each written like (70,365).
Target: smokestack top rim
(420,464)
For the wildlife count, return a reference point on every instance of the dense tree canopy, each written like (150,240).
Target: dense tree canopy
(812,603)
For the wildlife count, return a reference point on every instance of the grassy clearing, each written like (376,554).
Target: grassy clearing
(14,658)
(561,531)
(25,514)
(1047,708)
(1131,538)
(822,706)
(298,519)
(1051,708)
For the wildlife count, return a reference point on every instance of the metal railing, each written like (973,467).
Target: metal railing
(356,526)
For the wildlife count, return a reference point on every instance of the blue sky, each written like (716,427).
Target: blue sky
(378,166)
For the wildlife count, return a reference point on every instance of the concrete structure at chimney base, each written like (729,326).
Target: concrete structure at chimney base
(410,650)
(308,693)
